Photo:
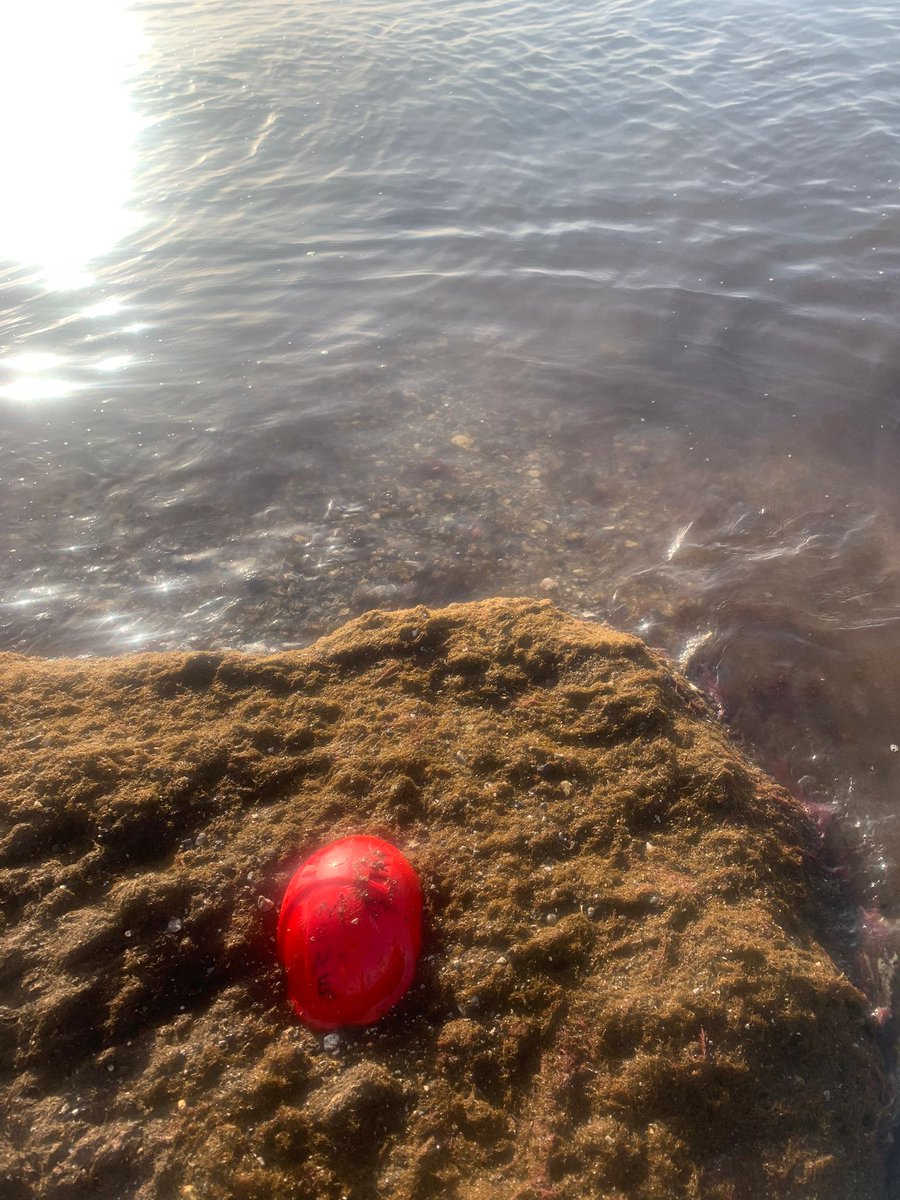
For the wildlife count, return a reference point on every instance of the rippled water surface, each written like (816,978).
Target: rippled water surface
(311,307)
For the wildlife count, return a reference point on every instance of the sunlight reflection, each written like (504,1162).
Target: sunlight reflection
(32,381)
(30,596)
(66,134)
(104,308)
(115,362)
(32,360)
(40,387)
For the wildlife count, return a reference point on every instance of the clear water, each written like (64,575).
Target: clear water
(308,307)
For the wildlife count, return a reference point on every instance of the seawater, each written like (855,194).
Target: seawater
(313,307)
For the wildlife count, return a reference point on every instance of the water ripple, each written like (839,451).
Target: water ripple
(638,259)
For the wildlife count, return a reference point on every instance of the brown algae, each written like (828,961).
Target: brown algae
(627,989)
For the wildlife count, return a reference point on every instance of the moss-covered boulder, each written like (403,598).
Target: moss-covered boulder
(628,987)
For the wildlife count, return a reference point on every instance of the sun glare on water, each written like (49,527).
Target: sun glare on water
(67,133)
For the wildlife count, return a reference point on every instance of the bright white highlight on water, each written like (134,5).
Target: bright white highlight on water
(31,388)
(115,362)
(104,308)
(34,377)
(67,133)
(32,361)
(677,541)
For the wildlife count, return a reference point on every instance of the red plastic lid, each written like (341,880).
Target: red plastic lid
(350,932)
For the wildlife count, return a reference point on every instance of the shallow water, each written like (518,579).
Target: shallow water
(310,308)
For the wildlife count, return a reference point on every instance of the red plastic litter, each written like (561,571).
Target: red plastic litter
(350,932)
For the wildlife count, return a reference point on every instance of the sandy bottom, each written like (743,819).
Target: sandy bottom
(631,985)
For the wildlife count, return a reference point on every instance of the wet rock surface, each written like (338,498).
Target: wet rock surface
(632,983)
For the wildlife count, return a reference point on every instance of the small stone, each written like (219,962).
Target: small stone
(264,904)
(331,1043)
(566,787)
(182,1104)
(549,584)
(463,441)
(894,748)
(174,926)
(551,918)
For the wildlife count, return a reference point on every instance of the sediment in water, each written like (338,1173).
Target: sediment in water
(627,990)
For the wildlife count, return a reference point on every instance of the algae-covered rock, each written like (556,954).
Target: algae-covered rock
(627,989)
